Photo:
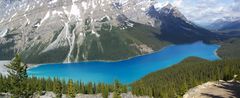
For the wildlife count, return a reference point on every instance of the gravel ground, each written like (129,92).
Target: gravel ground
(219,89)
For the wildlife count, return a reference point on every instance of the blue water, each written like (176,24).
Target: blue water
(126,71)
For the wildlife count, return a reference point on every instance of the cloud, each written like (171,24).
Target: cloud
(236,5)
(207,11)
(177,2)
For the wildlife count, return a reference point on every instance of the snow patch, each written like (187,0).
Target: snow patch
(95,33)
(129,24)
(84,5)
(28,21)
(71,37)
(27,8)
(1,20)
(32,7)
(53,1)
(75,10)
(106,16)
(122,2)
(44,19)
(93,4)
(143,9)
(3,33)
(65,10)
(12,17)
(55,12)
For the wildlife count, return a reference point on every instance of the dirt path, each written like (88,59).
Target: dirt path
(215,90)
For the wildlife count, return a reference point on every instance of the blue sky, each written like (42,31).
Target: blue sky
(206,11)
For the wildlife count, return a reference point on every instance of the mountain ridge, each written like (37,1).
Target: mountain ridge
(72,31)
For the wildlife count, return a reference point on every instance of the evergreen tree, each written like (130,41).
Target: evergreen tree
(49,85)
(77,87)
(99,88)
(64,86)
(70,89)
(39,87)
(58,89)
(82,88)
(117,89)
(90,88)
(18,75)
(105,92)
(124,89)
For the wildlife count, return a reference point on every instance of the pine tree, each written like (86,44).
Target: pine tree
(70,89)
(82,88)
(18,75)
(49,84)
(58,89)
(39,87)
(90,88)
(77,87)
(124,89)
(64,86)
(117,89)
(105,91)
(99,88)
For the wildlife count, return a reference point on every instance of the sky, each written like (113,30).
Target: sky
(203,12)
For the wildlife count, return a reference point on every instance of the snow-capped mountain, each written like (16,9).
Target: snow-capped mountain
(176,28)
(226,23)
(46,31)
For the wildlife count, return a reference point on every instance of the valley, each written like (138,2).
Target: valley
(119,48)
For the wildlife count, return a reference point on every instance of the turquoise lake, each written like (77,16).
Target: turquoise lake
(127,71)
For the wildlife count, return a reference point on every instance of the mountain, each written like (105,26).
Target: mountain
(225,24)
(177,29)
(53,31)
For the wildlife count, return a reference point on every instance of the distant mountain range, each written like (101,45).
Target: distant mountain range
(52,31)
(226,24)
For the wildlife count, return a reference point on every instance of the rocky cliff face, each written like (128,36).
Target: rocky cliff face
(46,31)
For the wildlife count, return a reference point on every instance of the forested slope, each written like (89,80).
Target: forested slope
(176,80)
(230,49)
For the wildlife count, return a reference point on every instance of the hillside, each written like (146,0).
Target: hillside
(230,49)
(83,30)
(176,80)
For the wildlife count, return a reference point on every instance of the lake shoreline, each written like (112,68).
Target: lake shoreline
(30,66)
(126,70)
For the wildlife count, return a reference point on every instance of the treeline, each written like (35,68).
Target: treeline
(230,49)
(173,82)
(21,86)
(59,87)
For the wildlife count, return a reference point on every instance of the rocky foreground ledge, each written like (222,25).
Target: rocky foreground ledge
(219,89)
(52,95)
